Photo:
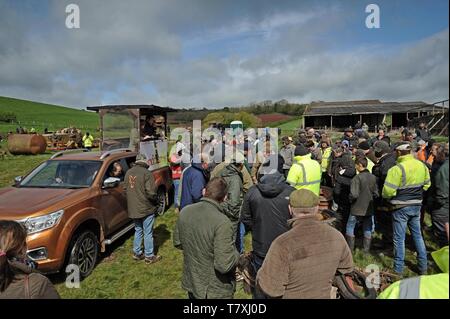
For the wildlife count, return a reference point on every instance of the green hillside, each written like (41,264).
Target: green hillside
(290,127)
(40,116)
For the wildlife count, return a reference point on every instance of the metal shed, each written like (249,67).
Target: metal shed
(372,112)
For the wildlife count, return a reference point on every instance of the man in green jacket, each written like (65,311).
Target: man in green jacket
(140,191)
(205,235)
(232,174)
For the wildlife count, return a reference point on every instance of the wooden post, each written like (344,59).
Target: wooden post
(331,123)
(392,120)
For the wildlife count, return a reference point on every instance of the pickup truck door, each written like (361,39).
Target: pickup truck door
(113,205)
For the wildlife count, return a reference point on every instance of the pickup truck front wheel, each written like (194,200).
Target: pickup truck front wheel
(84,252)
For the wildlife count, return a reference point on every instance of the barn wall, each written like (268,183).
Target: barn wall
(399,120)
(372,120)
(343,121)
(318,122)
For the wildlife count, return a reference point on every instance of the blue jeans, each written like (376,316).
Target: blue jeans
(367,225)
(176,186)
(240,238)
(143,229)
(408,216)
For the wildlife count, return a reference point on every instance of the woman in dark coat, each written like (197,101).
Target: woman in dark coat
(18,280)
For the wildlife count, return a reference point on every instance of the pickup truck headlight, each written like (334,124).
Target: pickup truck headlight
(40,223)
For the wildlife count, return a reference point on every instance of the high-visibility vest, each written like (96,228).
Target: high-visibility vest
(305,173)
(370,165)
(88,140)
(406,181)
(326,158)
(422,287)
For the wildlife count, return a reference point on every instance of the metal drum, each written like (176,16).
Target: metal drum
(25,144)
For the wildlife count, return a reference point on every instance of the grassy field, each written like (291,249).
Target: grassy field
(118,276)
(290,126)
(40,116)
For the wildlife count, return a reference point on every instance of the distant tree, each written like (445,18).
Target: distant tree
(215,117)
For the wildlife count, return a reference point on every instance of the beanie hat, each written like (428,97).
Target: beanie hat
(381,147)
(364,146)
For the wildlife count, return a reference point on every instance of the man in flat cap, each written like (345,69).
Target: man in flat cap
(302,262)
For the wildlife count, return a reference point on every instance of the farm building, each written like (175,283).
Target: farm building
(338,115)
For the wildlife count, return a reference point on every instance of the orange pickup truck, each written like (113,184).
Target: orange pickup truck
(72,207)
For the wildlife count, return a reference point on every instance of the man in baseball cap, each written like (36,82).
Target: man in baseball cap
(309,244)
(141,159)
(142,204)
(404,188)
(404,146)
(305,172)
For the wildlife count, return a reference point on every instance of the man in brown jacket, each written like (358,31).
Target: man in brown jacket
(302,262)
(140,190)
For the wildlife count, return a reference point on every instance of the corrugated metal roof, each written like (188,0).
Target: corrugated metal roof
(137,106)
(366,107)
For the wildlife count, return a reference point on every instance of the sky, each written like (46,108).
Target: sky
(208,53)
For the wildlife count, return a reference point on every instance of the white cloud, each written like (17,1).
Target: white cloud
(133,53)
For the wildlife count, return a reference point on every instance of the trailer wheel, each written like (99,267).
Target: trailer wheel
(161,197)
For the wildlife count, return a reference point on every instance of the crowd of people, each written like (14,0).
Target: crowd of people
(275,194)
(376,186)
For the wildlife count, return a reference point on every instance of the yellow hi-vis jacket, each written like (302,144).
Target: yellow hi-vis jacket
(406,181)
(88,140)
(422,287)
(326,158)
(305,173)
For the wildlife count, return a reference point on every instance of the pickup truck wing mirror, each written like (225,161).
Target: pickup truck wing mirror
(111,182)
(17,180)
